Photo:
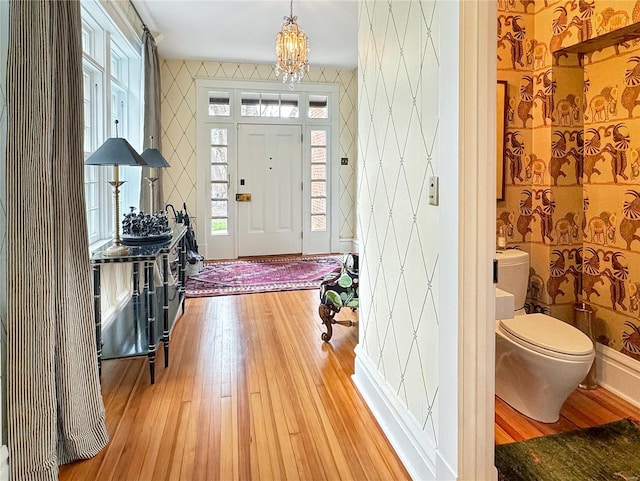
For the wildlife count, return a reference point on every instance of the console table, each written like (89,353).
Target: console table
(133,331)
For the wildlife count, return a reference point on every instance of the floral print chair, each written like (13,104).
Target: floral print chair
(338,292)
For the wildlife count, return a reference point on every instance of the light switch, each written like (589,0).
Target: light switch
(434,194)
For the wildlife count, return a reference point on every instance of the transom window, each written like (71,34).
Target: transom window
(269,105)
(219,104)
(318,107)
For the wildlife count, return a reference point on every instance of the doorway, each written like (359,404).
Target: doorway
(269,187)
(294,202)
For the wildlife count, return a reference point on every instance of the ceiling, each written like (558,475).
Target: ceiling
(245,30)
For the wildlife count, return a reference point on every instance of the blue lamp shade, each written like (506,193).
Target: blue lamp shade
(154,158)
(115,151)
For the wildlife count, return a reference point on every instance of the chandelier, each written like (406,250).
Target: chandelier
(292,47)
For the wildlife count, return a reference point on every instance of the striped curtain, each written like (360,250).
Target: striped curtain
(55,409)
(152,121)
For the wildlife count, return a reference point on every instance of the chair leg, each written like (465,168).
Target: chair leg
(327,314)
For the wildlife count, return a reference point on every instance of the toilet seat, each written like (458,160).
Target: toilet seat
(547,335)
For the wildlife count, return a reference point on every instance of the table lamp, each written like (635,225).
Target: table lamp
(153,158)
(116,151)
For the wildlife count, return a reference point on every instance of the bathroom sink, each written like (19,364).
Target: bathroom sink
(504,304)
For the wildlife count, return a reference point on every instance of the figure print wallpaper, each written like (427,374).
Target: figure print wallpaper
(572,157)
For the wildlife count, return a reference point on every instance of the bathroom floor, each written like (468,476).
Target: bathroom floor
(583,408)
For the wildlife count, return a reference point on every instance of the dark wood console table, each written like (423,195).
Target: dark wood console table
(133,331)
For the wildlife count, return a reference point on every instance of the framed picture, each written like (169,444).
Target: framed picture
(501,101)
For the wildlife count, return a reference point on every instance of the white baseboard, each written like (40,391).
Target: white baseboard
(618,373)
(347,245)
(416,451)
(4,463)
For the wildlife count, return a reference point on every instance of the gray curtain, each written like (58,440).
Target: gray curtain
(152,121)
(55,410)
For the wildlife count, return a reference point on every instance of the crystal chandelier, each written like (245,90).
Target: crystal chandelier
(292,47)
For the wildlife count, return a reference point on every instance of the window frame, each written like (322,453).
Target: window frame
(226,182)
(104,40)
(324,179)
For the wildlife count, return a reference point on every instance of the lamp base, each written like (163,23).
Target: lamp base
(116,250)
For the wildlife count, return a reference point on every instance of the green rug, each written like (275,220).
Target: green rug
(602,453)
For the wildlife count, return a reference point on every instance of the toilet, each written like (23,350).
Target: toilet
(540,360)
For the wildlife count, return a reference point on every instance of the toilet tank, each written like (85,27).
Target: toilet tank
(513,274)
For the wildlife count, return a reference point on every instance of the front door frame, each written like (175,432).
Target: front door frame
(311,242)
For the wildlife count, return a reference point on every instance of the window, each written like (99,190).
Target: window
(111,70)
(95,187)
(269,105)
(318,107)
(318,180)
(219,104)
(219,180)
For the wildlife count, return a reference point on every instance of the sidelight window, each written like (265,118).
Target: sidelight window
(219,159)
(318,180)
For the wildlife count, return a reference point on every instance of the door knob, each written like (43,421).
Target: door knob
(244,197)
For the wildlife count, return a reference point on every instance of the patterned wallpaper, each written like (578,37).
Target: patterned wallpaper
(398,232)
(573,157)
(179,126)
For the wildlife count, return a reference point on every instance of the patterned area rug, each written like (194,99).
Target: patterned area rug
(608,452)
(223,278)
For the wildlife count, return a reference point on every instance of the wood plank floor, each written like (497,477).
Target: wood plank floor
(583,409)
(251,393)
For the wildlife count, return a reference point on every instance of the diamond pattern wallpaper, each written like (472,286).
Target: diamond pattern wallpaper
(398,150)
(179,126)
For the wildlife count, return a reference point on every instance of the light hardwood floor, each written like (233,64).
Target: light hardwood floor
(583,409)
(251,392)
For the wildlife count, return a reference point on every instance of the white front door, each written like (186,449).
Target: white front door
(270,170)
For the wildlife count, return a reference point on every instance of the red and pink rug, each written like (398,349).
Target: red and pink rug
(224,278)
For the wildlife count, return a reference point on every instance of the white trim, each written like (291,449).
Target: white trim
(453,239)
(269,86)
(122,22)
(414,448)
(356,245)
(4,463)
(476,218)
(319,242)
(618,373)
(223,246)
(347,245)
